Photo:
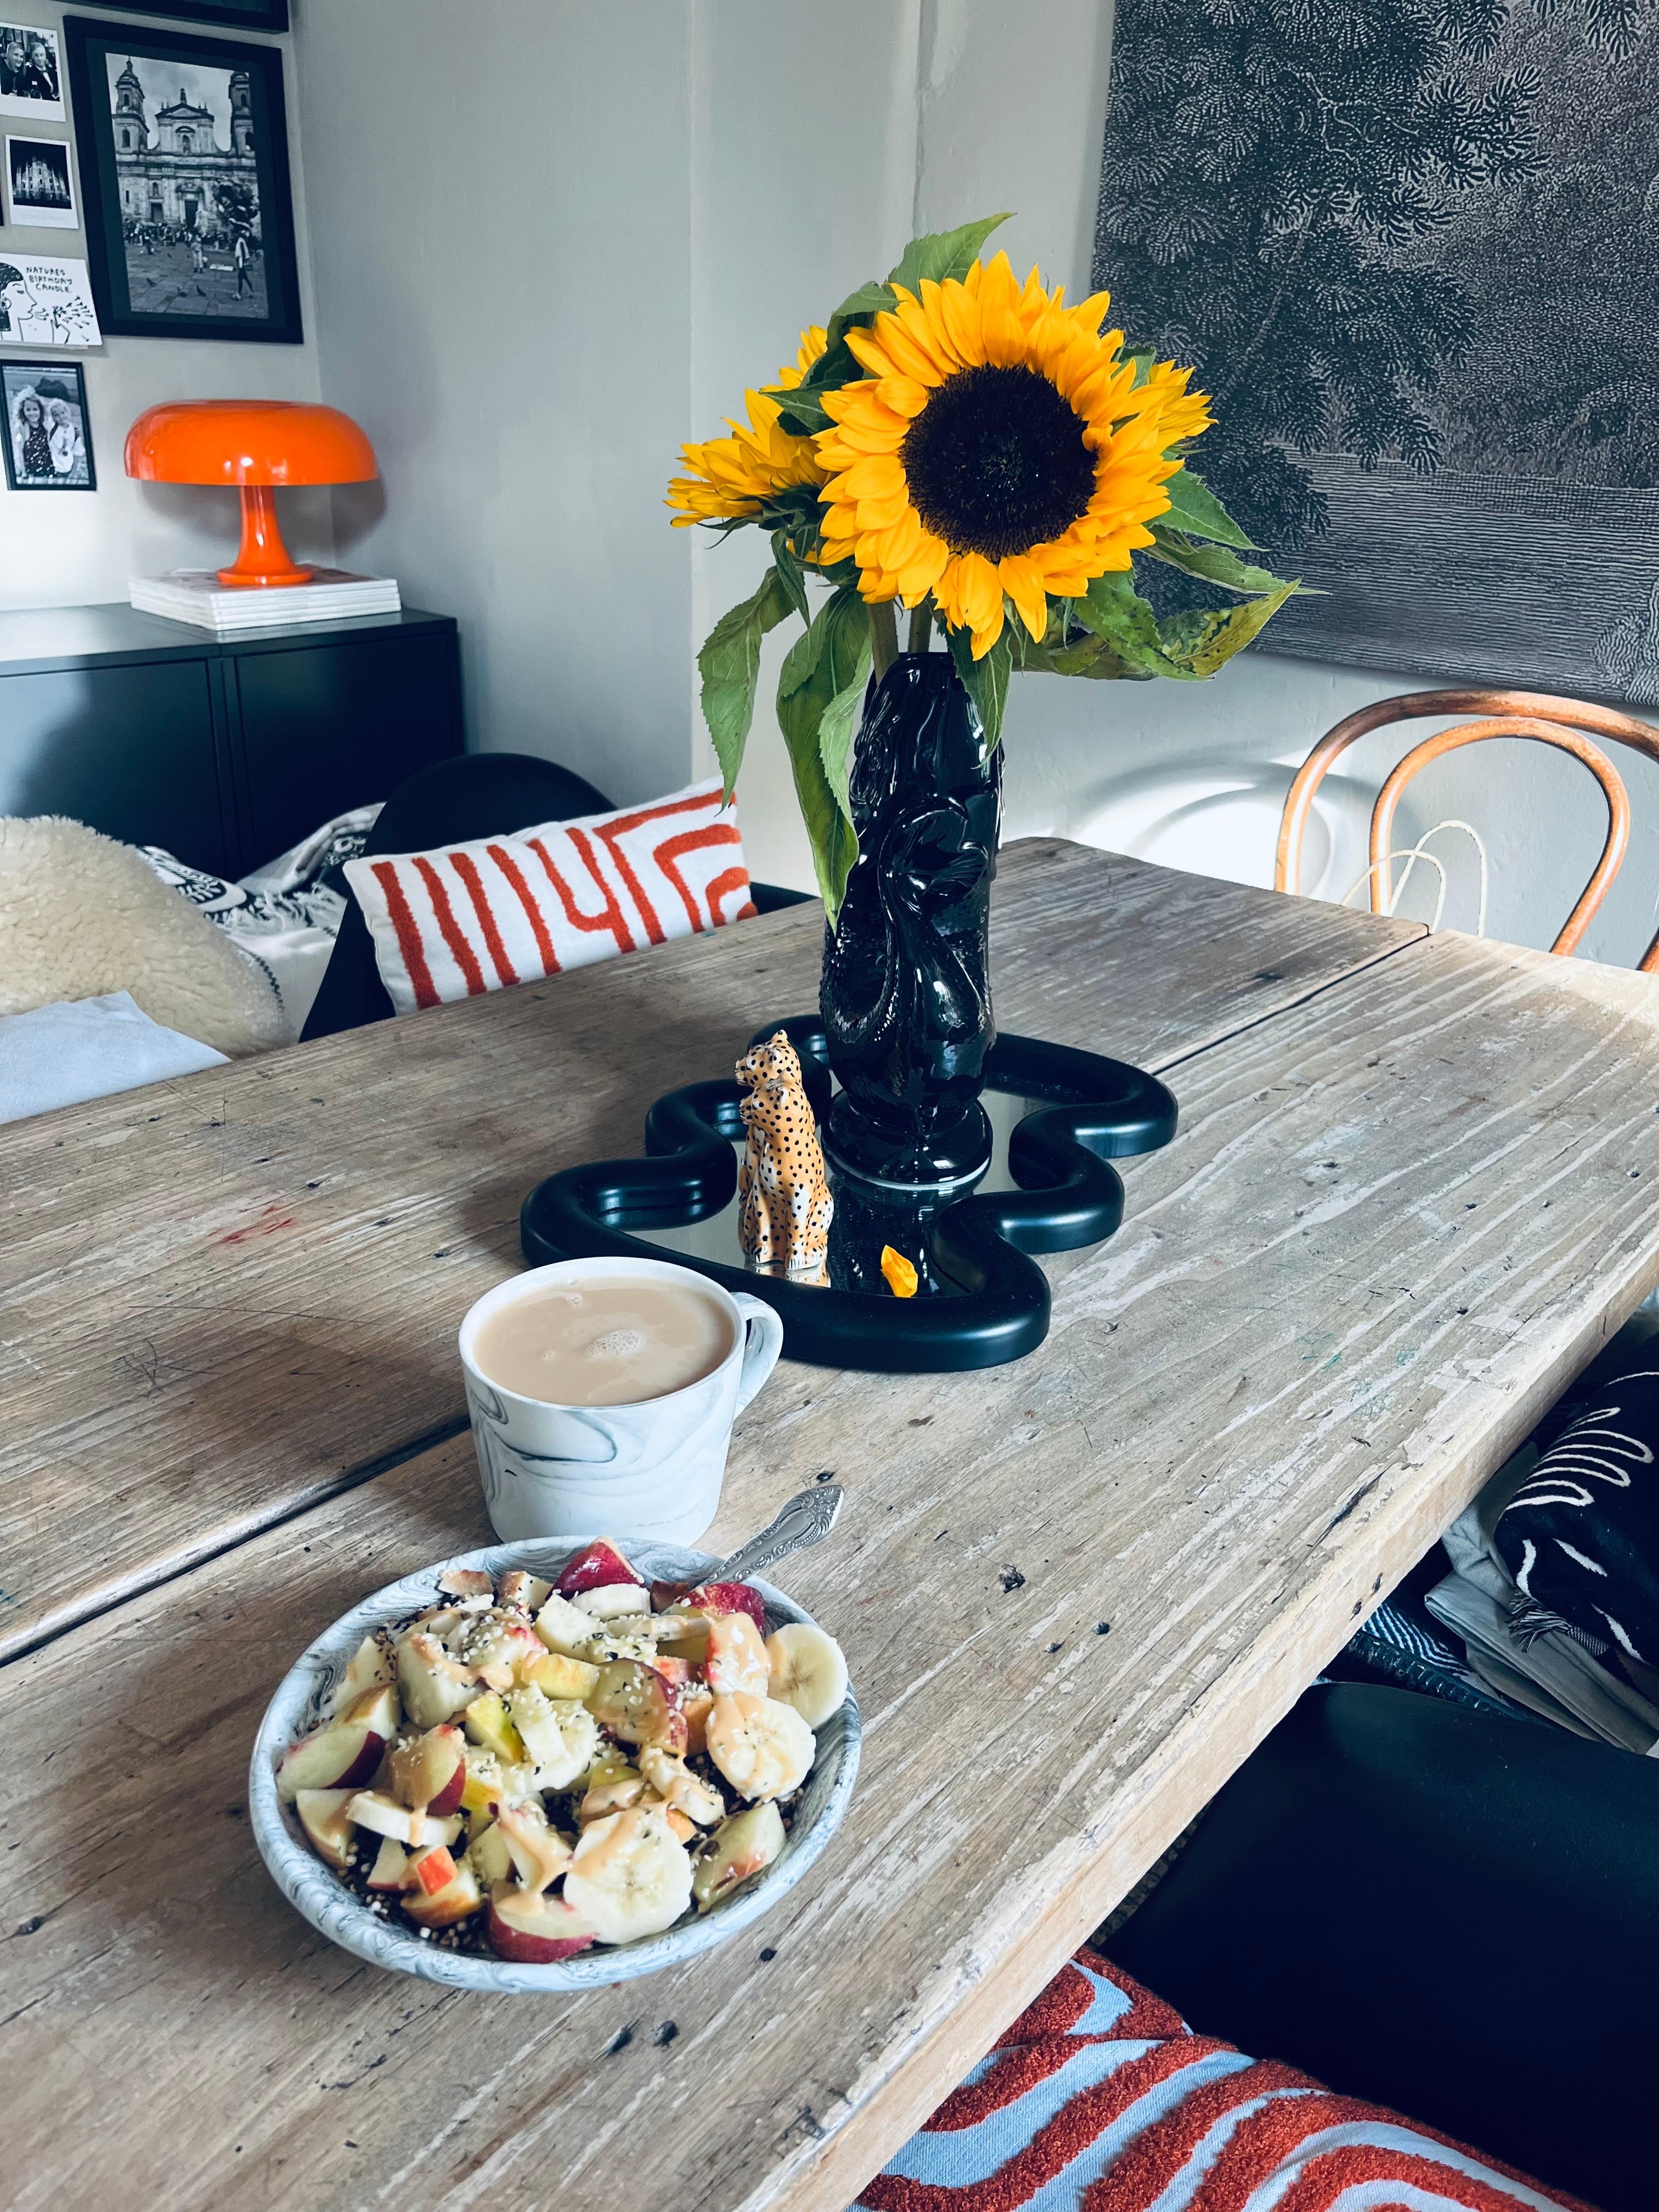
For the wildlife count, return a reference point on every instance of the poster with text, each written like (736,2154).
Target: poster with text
(44,301)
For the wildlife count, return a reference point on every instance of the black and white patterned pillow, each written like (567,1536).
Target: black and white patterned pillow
(1581,1535)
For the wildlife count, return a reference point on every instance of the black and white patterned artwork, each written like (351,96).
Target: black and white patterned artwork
(1413,247)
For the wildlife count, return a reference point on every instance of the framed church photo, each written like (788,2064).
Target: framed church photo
(185,190)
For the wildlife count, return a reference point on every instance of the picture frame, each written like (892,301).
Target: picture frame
(236,15)
(40,184)
(31,70)
(45,436)
(185,194)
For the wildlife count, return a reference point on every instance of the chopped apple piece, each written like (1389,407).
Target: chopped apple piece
(343,1753)
(676,1673)
(391,1866)
(564,1627)
(697,1704)
(612,1600)
(523,1591)
(487,1723)
(370,1665)
(610,1795)
(435,1686)
(738,1657)
(555,1676)
(489,1856)
(725,1598)
(539,1854)
(385,1816)
(595,1565)
(684,1634)
(428,1771)
(535,1931)
(324,1817)
(466,1581)
(443,1907)
(431,1871)
(740,1847)
(633,1702)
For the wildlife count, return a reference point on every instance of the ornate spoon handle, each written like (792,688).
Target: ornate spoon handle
(806,1519)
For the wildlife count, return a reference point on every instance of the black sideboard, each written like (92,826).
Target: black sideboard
(226,750)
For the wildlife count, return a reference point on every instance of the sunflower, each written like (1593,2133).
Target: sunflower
(997,445)
(731,478)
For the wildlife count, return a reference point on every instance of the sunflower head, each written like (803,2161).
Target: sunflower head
(731,479)
(997,445)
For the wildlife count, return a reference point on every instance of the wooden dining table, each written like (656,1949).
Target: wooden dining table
(1415,1186)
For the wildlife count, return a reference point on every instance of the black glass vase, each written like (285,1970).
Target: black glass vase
(906,992)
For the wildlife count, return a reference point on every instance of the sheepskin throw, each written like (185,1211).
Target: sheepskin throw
(82,915)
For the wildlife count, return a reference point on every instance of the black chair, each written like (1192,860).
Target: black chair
(478,795)
(1449,1912)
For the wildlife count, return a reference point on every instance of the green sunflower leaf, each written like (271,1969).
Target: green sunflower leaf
(729,664)
(943,253)
(1126,625)
(985,681)
(819,690)
(1199,644)
(1195,508)
(791,574)
(1214,564)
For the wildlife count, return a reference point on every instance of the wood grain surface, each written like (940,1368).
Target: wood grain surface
(225,1296)
(1396,1220)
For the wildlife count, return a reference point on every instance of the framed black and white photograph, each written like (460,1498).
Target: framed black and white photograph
(241,15)
(40,185)
(31,73)
(186,202)
(48,441)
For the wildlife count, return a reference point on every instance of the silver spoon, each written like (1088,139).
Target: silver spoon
(806,1519)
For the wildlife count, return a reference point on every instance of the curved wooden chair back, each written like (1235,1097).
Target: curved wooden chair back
(1535,714)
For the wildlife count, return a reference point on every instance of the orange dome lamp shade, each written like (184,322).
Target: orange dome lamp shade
(256,444)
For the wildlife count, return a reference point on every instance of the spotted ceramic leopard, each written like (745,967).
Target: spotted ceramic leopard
(783,1192)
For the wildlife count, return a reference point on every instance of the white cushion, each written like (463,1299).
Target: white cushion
(81,1049)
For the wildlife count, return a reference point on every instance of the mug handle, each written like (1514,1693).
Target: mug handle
(763,1342)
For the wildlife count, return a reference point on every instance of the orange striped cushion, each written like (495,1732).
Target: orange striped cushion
(465,919)
(1101,2099)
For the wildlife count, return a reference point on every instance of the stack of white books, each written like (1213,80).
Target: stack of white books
(196,595)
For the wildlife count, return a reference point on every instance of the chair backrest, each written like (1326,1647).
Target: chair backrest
(452,802)
(1535,715)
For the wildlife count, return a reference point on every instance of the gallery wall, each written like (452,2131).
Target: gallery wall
(548,252)
(75,548)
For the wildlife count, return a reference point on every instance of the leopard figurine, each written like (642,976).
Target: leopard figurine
(783,1192)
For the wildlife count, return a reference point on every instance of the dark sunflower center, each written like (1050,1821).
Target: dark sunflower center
(996,462)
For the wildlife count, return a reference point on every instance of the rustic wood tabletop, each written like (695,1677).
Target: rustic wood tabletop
(1416,1184)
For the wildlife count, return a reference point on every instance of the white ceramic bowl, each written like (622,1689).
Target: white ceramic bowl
(314,1890)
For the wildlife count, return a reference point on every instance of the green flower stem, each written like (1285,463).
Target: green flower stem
(921,627)
(883,637)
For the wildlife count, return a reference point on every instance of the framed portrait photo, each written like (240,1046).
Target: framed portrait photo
(241,15)
(31,73)
(184,192)
(47,438)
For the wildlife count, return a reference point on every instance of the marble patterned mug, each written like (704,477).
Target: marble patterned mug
(648,1471)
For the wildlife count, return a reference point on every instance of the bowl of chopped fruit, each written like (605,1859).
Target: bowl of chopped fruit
(535,1767)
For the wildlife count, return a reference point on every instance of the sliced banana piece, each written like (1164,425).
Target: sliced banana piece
(762,1747)
(631,1875)
(808,1670)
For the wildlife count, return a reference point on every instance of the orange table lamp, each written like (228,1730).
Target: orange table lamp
(257,445)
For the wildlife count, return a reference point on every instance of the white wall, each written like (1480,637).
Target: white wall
(76,548)
(548,255)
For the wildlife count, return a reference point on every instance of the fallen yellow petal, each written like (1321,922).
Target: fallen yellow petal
(902,1277)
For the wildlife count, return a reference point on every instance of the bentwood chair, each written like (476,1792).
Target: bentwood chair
(1535,715)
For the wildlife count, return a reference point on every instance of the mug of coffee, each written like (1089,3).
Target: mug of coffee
(603,1393)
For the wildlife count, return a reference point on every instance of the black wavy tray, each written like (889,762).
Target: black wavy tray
(993,1302)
